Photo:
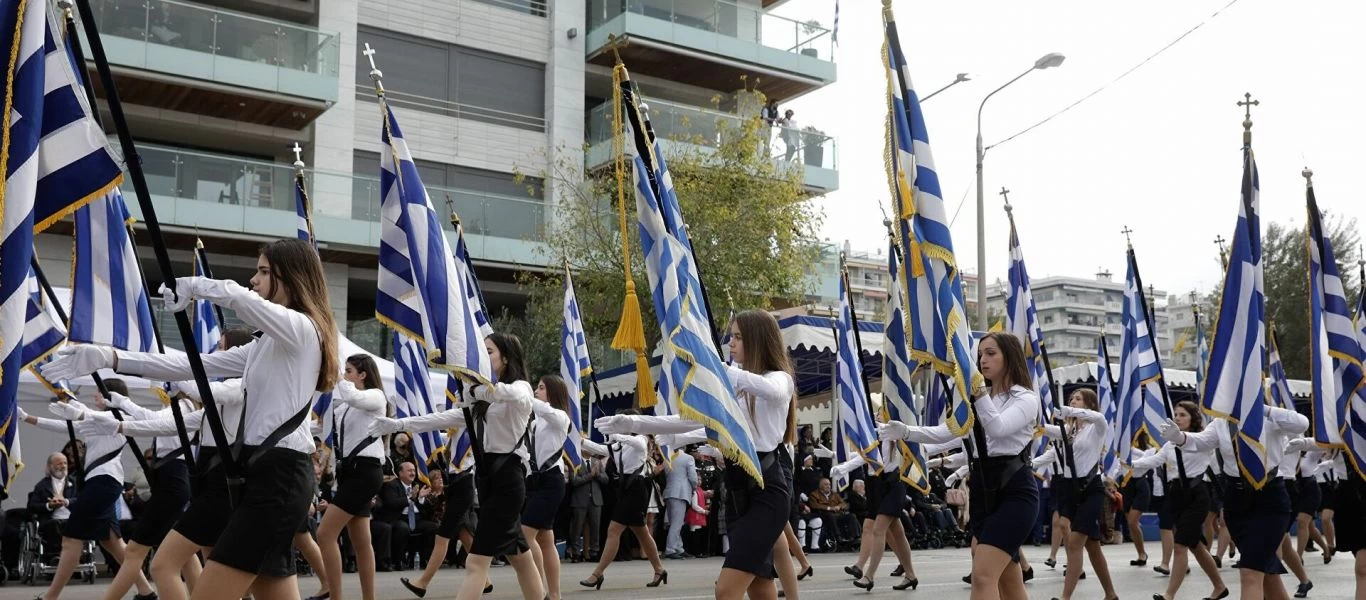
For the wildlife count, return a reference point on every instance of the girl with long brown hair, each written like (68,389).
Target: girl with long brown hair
(1089,434)
(546,483)
(766,393)
(282,371)
(1003,499)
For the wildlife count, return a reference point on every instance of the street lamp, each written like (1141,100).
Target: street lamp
(960,79)
(1046,61)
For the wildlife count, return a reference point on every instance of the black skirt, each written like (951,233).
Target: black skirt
(358,482)
(633,499)
(459,512)
(502,492)
(207,515)
(259,535)
(170,495)
(1190,505)
(1350,524)
(1138,495)
(1166,509)
(92,512)
(1088,500)
(755,517)
(1060,494)
(1328,491)
(1016,510)
(1257,521)
(886,495)
(1307,496)
(544,491)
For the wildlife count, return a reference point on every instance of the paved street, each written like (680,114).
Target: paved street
(940,573)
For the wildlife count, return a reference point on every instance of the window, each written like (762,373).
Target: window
(488,202)
(535,8)
(453,80)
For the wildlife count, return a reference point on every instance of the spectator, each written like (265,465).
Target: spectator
(402,449)
(769,114)
(49,501)
(74,451)
(858,500)
(397,517)
(679,489)
(791,137)
(585,499)
(834,513)
(808,478)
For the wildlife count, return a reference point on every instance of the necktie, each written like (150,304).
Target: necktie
(412,511)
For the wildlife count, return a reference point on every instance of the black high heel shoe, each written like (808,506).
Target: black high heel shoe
(858,583)
(417,591)
(597,585)
(1221,596)
(854,572)
(660,577)
(906,583)
(807,573)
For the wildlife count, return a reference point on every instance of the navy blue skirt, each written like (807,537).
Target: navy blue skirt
(502,493)
(459,506)
(92,512)
(1257,521)
(1016,510)
(1166,510)
(1138,495)
(886,495)
(1190,503)
(756,517)
(544,491)
(1350,524)
(170,496)
(1308,498)
(1086,505)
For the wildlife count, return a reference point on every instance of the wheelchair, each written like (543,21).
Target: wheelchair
(38,562)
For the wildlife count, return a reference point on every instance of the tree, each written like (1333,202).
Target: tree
(752,228)
(1286,278)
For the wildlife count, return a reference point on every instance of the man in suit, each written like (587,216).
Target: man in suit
(585,498)
(396,516)
(679,491)
(49,501)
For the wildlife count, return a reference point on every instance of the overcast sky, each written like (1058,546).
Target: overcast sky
(1158,151)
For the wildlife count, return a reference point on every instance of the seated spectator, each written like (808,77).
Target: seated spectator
(809,524)
(858,500)
(49,501)
(396,517)
(834,513)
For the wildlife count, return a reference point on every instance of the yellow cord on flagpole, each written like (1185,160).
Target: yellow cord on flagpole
(631,330)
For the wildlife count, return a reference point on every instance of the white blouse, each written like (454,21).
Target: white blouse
(1090,439)
(505,423)
(548,434)
(1008,419)
(95,445)
(352,414)
(227,395)
(629,451)
(1196,462)
(279,370)
(1280,425)
(162,445)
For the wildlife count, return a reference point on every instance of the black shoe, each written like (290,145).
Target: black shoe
(417,591)
(597,584)
(807,573)
(1218,562)
(854,572)
(488,589)
(1302,590)
(898,571)
(858,583)
(328,594)
(660,577)
(148,596)
(1050,563)
(967,579)
(1028,574)
(1221,596)
(906,583)
(1139,562)
(1162,570)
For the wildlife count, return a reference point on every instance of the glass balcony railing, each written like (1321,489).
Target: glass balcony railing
(708,128)
(744,23)
(220,32)
(214,178)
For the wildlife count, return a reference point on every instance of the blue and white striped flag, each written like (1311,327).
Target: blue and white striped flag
(56,159)
(693,382)
(1202,353)
(203,315)
(575,366)
(1105,392)
(42,333)
(855,418)
(1140,372)
(1277,381)
(1022,321)
(937,325)
(413,391)
(1234,388)
(1335,353)
(109,304)
(898,396)
(422,292)
(303,211)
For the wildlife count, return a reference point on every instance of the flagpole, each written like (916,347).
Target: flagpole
(203,256)
(99,381)
(134,164)
(858,341)
(1157,356)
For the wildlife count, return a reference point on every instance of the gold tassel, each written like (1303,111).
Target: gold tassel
(645,387)
(631,331)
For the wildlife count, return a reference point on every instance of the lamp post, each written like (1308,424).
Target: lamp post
(1046,61)
(960,79)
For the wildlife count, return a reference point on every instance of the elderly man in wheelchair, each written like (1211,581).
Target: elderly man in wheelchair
(48,503)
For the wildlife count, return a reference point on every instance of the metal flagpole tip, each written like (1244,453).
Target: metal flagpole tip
(298,156)
(1308,174)
(375,74)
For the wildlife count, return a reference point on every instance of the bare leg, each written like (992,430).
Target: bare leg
(647,546)
(130,568)
(1167,547)
(782,563)
(1136,532)
(989,564)
(733,583)
(1206,561)
(1317,536)
(550,559)
(901,548)
(439,549)
(1059,532)
(359,529)
(878,547)
(1011,584)
(1329,529)
(472,587)
(314,557)
(66,565)
(190,572)
(1292,560)
(1178,571)
(534,550)
(865,546)
(221,582)
(174,553)
(1102,567)
(1303,525)
(275,588)
(794,547)
(1074,545)
(115,547)
(609,548)
(1359,572)
(527,576)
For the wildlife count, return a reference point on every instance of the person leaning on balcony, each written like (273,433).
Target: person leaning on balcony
(791,137)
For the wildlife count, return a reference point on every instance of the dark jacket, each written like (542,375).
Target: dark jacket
(392,501)
(585,488)
(37,499)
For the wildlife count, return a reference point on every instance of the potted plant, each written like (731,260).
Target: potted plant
(810,28)
(813,146)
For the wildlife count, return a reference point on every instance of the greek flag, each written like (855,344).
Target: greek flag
(693,381)
(1022,321)
(207,330)
(937,327)
(575,366)
(42,333)
(301,208)
(1105,392)
(459,446)
(422,291)
(1140,373)
(1233,387)
(898,396)
(1335,352)
(108,300)
(56,159)
(1202,352)
(413,390)
(855,416)
(1277,381)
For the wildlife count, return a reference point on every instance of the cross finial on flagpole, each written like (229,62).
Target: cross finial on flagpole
(1308,174)
(375,74)
(298,156)
(615,42)
(1126,231)
(1247,103)
(1005,193)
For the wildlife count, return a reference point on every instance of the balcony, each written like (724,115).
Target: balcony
(692,128)
(231,194)
(712,44)
(191,58)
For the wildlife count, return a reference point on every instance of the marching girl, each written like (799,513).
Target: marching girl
(629,455)
(1082,506)
(359,401)
(1004,502)
(502,414)
(1329,478)
(886,501)
(1138,498)
(1286,472)
(282,371)
(457,519)
(1308,499)
(766,394)
(170,479)
(545,485)
(93,516)
(1188,500)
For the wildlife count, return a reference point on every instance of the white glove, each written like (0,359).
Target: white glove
(97,424)
(1298,445)
(75,361)
(952,479)
(1172,433)
(19,412)
(619,424)
(892,431)
(346,391)
(1069,412)
(183,295)
(838,472)
(934,462)
(66,410)
(315,427)
(117,400)
(385,426)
